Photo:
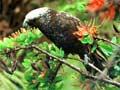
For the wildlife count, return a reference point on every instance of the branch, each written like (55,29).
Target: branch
(92,66)
(72,66)
(4,66)
(108,41)
(77,69)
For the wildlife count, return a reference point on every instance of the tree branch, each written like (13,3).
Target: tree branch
(108,81)
(78,69)
(108,41)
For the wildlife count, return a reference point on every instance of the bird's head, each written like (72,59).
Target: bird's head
(37,17)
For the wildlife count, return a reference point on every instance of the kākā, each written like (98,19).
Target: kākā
(60,28)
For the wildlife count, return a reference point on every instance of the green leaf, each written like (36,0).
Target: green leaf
(27,63)
(44,46)
(9,43)
(106,48)
(87,39)
(94,48)
(80,6)
(28,74)
(59,85)
(111,87)
(21,38)
(56,51)
(2,46)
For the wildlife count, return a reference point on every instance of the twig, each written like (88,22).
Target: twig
(72,66)
(61,60)
(18,60)
(4,66)
(108,41)
(93,66)
(115,29)
(103,80)
(54,74)
(78,69)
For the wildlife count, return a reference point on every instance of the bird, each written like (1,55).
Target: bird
(63,30)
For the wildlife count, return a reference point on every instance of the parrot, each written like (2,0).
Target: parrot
(60,28)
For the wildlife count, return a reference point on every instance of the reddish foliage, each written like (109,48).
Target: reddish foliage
(84,30)
(95,5)
(109,14)
(98,5)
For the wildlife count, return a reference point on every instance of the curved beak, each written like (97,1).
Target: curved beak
(25,24)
